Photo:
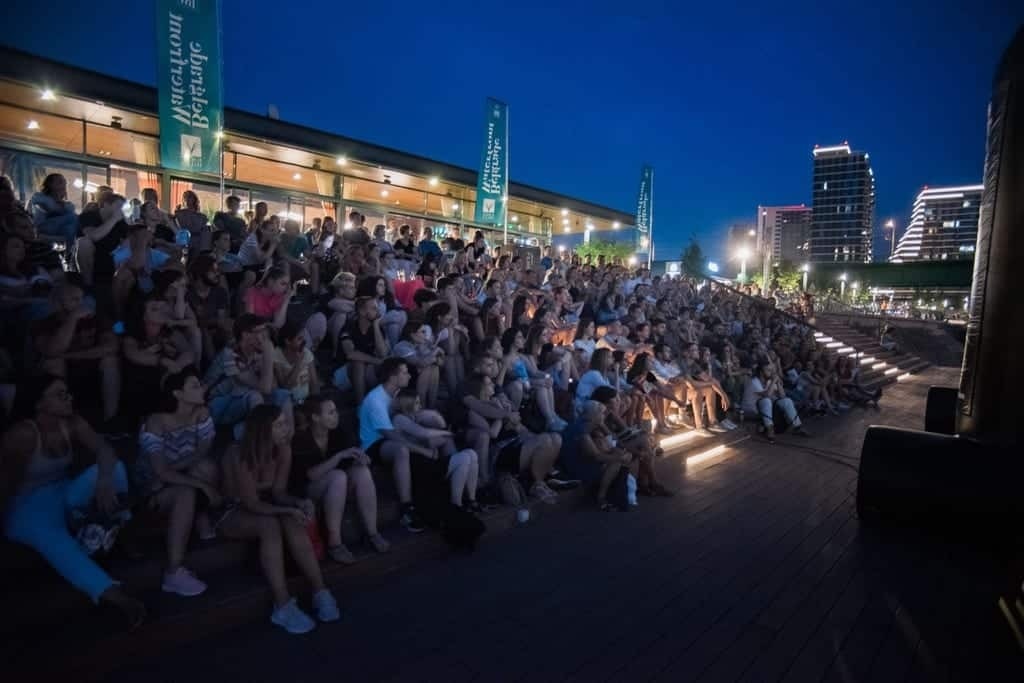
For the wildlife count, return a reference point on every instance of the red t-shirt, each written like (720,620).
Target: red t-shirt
(405,291)
(262,302)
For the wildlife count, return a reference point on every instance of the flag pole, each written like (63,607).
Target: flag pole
(504,196)
(650,226)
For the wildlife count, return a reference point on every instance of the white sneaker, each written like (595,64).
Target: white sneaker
(728,424)
(717,428)
(326,606)
(540,491)
(183,582)
(292,619)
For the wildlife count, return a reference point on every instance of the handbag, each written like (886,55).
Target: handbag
(94,530)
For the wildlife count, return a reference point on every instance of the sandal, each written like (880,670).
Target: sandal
(340,554)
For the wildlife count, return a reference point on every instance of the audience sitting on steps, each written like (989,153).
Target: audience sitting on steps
(254,383)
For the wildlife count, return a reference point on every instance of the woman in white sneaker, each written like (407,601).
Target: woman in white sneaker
(174,468)
(258,507)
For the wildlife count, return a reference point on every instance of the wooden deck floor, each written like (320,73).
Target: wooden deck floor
(757,571)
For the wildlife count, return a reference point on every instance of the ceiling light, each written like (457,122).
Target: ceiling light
(48,95)
(565,212)
(515,219)
(33,124)
(433,182)
(455,207)
(616,225)
(297,176)
(565,221)
(566,228)
(383,193)
(342,161)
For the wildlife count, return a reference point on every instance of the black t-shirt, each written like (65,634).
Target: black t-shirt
(103,263)
(306,453)
(234,225)
(406,247)
(363,342)
(206,310)
(89,218)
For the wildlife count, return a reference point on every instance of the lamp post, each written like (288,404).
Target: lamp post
(743,254)
(806,268)
(842,286)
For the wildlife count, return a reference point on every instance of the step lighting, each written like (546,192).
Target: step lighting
(892,371)
(869,359)
(905,375)
(704,456)
(825,339)
(678,439)
(876,366)
(833,345)
(846,349)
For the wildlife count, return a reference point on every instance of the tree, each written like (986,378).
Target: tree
(610,250)
(693,259)
(788,276)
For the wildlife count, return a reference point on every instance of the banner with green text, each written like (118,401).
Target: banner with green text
(492,181)
(189,81)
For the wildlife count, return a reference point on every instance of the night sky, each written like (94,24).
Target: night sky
(725,100)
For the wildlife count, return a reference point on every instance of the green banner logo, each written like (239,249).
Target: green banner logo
(492,181)
(189,80)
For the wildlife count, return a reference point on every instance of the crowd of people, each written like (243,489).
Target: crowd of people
(267,373)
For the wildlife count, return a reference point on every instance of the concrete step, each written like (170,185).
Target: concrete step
(49,617)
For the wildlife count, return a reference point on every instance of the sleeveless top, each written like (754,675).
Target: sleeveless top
(45,468)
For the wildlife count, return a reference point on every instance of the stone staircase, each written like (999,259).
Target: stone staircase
(878,366)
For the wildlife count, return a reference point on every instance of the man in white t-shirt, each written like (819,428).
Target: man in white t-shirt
(762,393)
(377,435)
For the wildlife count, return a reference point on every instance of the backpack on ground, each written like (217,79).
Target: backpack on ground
(461,528)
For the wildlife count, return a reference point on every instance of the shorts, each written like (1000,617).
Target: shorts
(509,456)
(373,452)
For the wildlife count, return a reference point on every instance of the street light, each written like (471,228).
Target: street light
(743,253)
(842,286)
(712,267)
(806,268)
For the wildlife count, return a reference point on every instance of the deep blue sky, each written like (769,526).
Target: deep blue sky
(725,100)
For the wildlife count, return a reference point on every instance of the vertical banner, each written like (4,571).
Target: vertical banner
(492,181)
(645,215)
(189,81)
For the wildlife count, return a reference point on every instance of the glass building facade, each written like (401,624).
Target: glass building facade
(943,225)
(99,130)
(843,205)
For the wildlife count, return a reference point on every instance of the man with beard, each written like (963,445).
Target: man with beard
(211,304)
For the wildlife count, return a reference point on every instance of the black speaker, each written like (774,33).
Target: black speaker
(940,410)
(940,481)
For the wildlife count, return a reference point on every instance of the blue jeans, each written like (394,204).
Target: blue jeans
(37,519)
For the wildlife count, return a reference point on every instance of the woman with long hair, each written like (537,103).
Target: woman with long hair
(521,366)
(328,465)
(190,217)
(424,359)
(258,507)
(175,467)
(152,346)
(37,489)
(52,213)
